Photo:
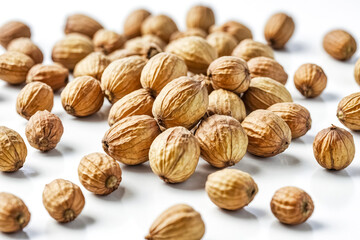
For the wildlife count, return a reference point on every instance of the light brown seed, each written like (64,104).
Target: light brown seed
(278,30)
(267,67)
(133,22)
(92,65)
(26,46)
(357,71)
(296,117)
(231,189)
(122,77)
(200,17)
(174,155)
(63,200)
(54,75)
(82,97)
(140,44)
(80,23)
(222,140)
(159,25)
(11,30)
(121,53)
(14,214)
(291,205)
(197,32)
(267,133)
(14,67)
(236,29)
(334,148)
(348,111)
(249,49)
(99,173)
(310,80)
(180,222)
(107,41)
(13,150)
(224,43)
(35,96)
(128,140)
(339,44)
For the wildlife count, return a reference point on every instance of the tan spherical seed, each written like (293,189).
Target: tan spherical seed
(121,53)
(11,30)
(14,214)
(182,102)
(231,189)
(107,41)
(14,67)
(122,77)
(267,67)
(334,148)
(224,102)
(71,49)
(99,173)
(26,46)
(249,49)
(174,155)
(229,73)
(348,111)
(200,17)
(339,44)
(80,23)
(140,44)
(296,117)
(128,140)
(196,52)
(44,130)
(63,200)
(35,96)
(278,30)
(133,22)
(180,222)
(224,43)
(138,102)
(222,140)
(82,97)
(160,25)
(264,92)
(54,75)
(191,32)
(13,150)
(291,205)
(267,133)
(92,65)
(236,29)
(310,80)
(357,71)
(162,69)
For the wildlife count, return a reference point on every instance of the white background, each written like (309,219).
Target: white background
(128,212)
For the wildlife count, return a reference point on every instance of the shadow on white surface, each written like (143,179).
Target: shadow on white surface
(283,159)
(81,222)
(241,214)
(304,227)
(24,172)
(293,47)
(195,182)
(16,235)
(55,153)
(141,168)
(306,139)
(100,116)
(115,196)
(246,166)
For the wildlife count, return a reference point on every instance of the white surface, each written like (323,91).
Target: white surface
(128,212)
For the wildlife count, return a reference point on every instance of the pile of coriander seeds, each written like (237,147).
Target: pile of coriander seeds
(208,91)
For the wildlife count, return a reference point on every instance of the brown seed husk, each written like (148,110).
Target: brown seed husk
(26,46)
(201,17)
(348,111)
(121,53)
(107,41)
(180,222)
(310,80)
(182,102)
(44,130)
(334,148)
(249,49)
(13,150)
(224,43)
(143,43)
(138,102)
(197,32)
(296,117)
(239,31)
(159,25)
(222,140)
(291,205)
(80,23)
(231,189)
(174,155)
(92,65)
(35,96)
(128,140)
(267,133)
(54,75)
(14,67)
(82,97)
(133,22)
(339,44)
(357,71)
(14,214)
(229,73)
(267,67)
(122,77)
(99,173)
(264,92)
(278,30)
(12,30)
(63,200)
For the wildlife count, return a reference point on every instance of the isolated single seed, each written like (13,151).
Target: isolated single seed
(12,30)
(200,17)
(310,80)
(160,25)
(133,22)
(339,44)
(278,30)
(80,23)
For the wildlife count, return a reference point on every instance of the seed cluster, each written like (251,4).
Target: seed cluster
(209,91)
